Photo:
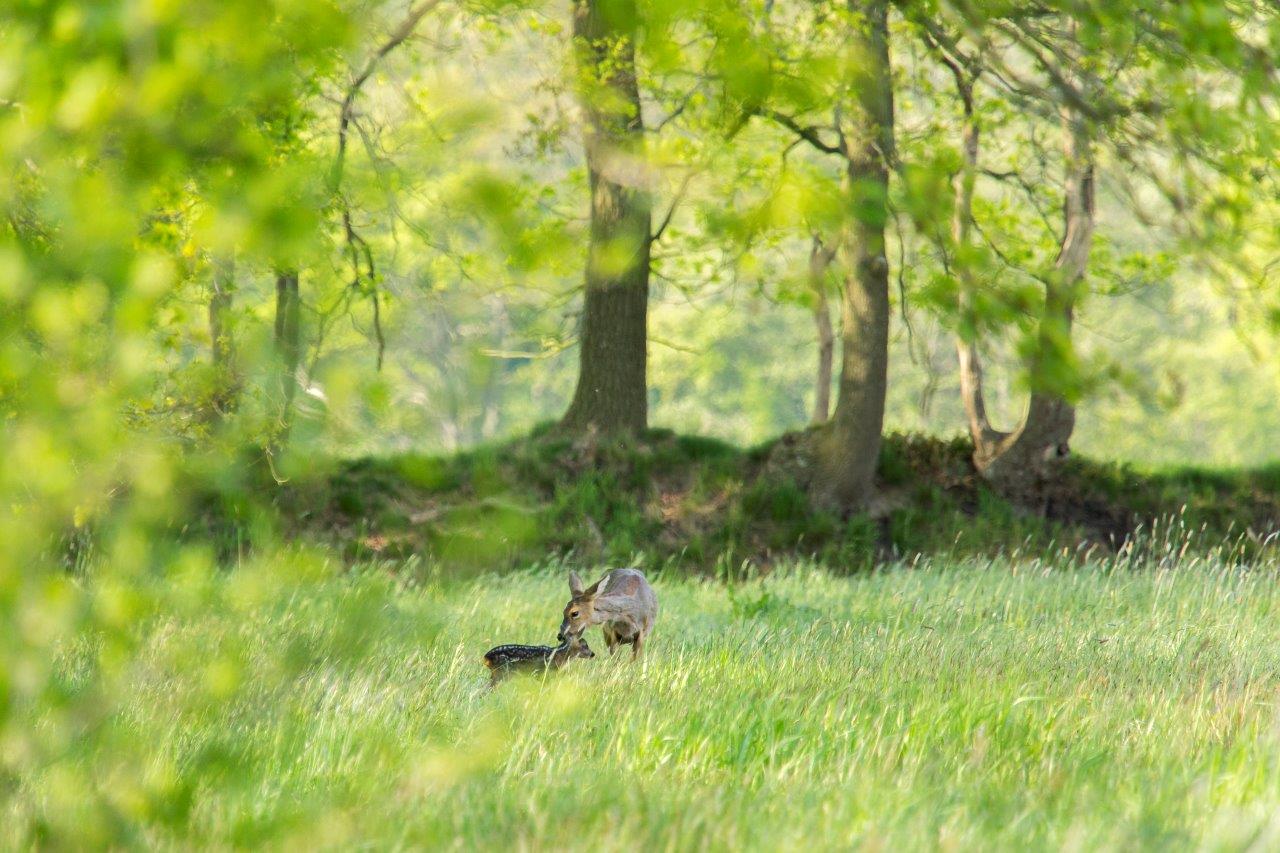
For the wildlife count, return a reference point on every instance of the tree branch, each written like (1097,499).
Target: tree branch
(358,247)
(808,133)
(675,203)
(347,112)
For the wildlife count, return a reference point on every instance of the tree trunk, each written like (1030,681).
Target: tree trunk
(848,453)
(1017,460)
(985,437)
(612,390)
(820,258)
(288,344)
(225,382)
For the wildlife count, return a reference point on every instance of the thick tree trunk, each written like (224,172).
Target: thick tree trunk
(612,390)
(1017,460)
(820,258)
(288,343)
(850,449)
(222,352)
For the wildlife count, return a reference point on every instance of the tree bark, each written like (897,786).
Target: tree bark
(612,391)
(222,351)
(288,343)
(849,451)
(820,258)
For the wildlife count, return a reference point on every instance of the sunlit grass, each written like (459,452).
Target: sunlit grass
(973,705)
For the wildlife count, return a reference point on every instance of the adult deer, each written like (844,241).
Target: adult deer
(622,603)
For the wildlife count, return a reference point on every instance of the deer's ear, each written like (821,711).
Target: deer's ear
(591,591)
(575,584)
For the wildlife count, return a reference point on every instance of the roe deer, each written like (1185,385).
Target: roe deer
(622,603)
(504,660)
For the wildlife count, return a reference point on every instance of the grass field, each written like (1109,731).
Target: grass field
(968,706)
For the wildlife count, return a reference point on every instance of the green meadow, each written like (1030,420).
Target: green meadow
(1006,703)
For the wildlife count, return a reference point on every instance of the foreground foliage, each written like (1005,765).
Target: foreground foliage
(995,703)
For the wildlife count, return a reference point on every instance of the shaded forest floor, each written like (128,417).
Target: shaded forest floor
(701,505)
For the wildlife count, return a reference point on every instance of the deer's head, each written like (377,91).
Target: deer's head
(579,611)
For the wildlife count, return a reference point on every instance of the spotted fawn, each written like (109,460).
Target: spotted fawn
(505,660)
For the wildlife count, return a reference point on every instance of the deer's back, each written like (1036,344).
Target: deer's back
(630,595)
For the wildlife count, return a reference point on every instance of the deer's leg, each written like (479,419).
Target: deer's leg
(610,638)
(637,645)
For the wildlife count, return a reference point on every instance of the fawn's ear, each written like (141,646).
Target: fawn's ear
(575,584)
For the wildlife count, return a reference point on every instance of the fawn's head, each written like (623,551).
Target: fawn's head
(575,647)
(579,610)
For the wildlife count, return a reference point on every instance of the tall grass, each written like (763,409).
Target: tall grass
(1002,703)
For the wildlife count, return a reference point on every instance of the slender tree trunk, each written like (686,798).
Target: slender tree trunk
(986,439)
(288,343)
(1017,460)
(612,390)
(222,284)
(820,258)
(932,378)
(848,453)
